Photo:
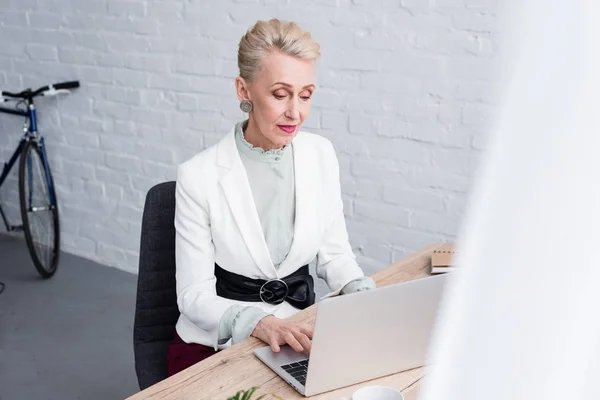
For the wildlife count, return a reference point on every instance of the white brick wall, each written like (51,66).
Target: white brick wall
(406,93)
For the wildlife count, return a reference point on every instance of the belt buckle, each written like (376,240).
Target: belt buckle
(264,289)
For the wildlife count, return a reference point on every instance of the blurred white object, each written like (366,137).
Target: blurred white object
(521,320)
(375,393)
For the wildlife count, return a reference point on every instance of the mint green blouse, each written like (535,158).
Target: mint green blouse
(271,177)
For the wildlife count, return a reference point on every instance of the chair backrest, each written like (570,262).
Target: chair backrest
(156,310)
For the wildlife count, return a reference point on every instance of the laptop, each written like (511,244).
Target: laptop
(363,336)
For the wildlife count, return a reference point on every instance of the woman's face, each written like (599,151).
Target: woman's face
(281,94)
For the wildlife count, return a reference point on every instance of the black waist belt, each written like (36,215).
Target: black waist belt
(298,288)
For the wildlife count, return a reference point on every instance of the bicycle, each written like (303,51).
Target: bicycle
(37,196)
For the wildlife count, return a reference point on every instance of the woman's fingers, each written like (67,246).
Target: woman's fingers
(293,342)
(304,341)
(276,332)
(307,330)
(274,344)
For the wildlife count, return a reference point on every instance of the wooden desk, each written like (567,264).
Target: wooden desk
(236,368)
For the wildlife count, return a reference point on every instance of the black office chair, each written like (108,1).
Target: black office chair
(156,310)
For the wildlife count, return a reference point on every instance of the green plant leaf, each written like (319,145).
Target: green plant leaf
(249,393)
(236,396)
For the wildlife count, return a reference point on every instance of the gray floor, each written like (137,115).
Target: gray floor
(68,337)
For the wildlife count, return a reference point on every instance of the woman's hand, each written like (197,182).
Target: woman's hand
(276,332)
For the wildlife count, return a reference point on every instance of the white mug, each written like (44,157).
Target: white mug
(376,393)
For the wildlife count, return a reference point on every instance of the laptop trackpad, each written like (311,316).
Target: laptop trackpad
(286,355)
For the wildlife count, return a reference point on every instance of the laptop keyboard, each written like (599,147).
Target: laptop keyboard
(297,370)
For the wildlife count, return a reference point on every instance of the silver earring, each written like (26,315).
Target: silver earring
(246,106)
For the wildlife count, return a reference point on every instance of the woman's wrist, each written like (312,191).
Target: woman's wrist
(359,285)
(239,322)
(245,323)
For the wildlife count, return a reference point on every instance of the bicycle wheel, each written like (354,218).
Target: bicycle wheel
(39,210)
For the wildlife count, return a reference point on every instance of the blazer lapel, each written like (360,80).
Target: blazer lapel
(237,190)
(305,224)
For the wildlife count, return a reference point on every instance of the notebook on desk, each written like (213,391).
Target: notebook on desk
(442,258)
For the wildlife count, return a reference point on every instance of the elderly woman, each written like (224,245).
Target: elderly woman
(255,209)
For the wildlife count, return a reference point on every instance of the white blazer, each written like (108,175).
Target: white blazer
(216,221)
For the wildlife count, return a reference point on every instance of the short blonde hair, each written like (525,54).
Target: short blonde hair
(274,35)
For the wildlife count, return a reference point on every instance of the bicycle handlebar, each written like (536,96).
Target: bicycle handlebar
(50,89)
(66,85)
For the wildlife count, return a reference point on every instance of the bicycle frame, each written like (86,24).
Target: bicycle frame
(31,133)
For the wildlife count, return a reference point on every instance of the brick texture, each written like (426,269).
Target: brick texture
(407,91)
